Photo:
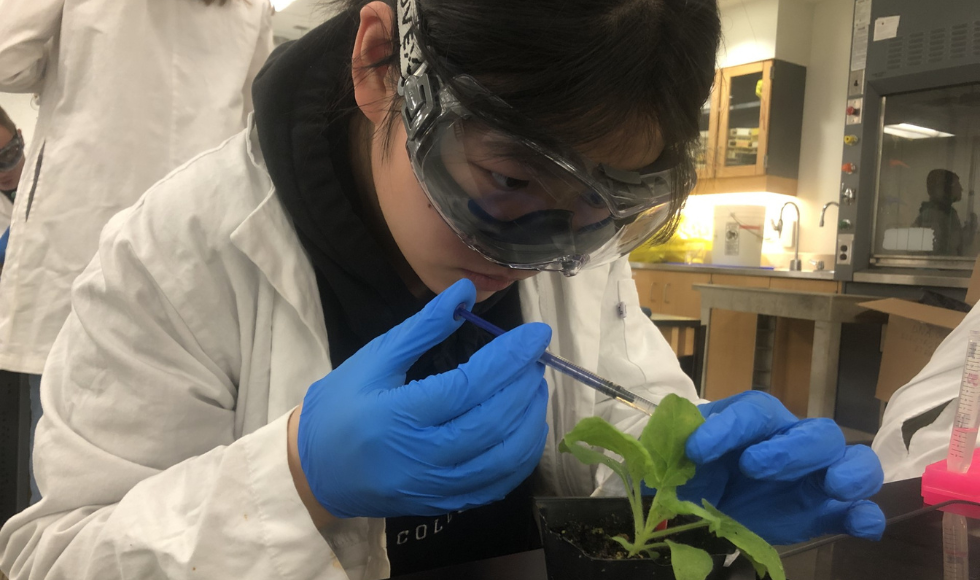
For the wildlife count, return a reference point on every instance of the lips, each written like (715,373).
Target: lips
(488,283)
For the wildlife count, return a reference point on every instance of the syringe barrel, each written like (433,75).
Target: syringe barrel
(967,419)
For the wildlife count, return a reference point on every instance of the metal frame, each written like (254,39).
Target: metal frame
(905,260)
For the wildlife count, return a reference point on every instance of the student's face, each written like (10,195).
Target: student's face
(436,254)
(956,190)
(9,179)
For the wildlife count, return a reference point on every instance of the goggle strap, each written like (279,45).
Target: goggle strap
(411,56)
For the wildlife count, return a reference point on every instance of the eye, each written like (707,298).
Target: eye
(593,198)
(508,183)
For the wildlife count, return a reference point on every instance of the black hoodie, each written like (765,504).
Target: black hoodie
(303,106)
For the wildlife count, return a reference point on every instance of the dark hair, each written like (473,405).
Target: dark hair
(576,71)
(940,181)
(6,122)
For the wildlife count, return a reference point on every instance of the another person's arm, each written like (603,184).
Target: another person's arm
(26,27)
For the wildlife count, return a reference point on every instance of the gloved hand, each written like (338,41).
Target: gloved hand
(3,245)
(787,480)
(372,446)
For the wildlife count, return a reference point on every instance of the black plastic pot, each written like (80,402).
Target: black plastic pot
(567,561)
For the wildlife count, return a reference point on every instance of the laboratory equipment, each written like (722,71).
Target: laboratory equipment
(954,478)
(569,368)
(909,110)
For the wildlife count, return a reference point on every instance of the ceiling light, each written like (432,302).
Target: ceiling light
(281,5)
(909,131)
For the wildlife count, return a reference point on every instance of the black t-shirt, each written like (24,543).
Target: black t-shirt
(303,105)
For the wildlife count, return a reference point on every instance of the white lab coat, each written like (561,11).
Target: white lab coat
(129,90)
(6,208)
(193,333)
(937,383)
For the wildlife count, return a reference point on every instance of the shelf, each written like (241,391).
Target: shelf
(752,184)
(745,106)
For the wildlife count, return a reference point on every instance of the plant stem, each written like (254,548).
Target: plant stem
(676,530)
(635,493)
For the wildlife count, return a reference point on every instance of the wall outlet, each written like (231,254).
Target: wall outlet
(845,248)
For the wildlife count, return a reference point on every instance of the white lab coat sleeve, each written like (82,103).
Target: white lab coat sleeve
(26,27)
(263,49)
(136,455)
(633,353)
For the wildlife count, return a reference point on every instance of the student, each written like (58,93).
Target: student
(128,91)
(262,362)
(11,165)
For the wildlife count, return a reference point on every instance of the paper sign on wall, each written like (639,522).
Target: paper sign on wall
(886,27)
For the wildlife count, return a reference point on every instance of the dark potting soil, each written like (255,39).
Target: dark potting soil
(594,538)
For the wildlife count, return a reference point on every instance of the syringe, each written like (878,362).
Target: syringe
(964,437)
(571,369)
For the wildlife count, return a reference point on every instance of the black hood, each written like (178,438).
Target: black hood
(303,105)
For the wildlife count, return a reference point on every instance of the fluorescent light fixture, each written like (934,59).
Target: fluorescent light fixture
(281,5)
(909,131)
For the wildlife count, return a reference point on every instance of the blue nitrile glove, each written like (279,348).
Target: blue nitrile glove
(787,479)
(3,245)
(372,446)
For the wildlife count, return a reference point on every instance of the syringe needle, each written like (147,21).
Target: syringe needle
(569,368)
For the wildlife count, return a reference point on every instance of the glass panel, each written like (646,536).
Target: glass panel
(930,160)
(704,123)
(744,112)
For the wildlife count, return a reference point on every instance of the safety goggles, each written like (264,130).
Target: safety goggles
(522,204)
(517,202)
(11,153)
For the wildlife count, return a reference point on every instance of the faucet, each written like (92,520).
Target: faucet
(795,264)
(823,212)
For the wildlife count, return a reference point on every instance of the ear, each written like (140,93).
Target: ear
(373,44)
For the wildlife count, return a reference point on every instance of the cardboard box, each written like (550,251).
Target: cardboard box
(913,334)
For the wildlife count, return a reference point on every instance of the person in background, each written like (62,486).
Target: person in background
(950,237)
(262,375)
(128,92)
(918,420)
(11,166)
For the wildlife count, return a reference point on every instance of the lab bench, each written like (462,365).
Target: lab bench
(744,350)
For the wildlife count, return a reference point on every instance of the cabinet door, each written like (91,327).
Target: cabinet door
(732,344)
(678,294)
(743,125)
(647,287)
(793,348)
(707,153)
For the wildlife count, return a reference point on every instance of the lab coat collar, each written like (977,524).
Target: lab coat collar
(262,237)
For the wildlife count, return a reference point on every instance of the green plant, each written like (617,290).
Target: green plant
(658,459)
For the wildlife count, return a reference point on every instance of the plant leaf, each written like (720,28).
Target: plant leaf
(664,437)
(597,432)
(589,456)
(671,506)
(688,562)
(764,557)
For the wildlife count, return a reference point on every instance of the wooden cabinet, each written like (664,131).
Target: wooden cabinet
(753,121)
(670,292)
(731,364)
